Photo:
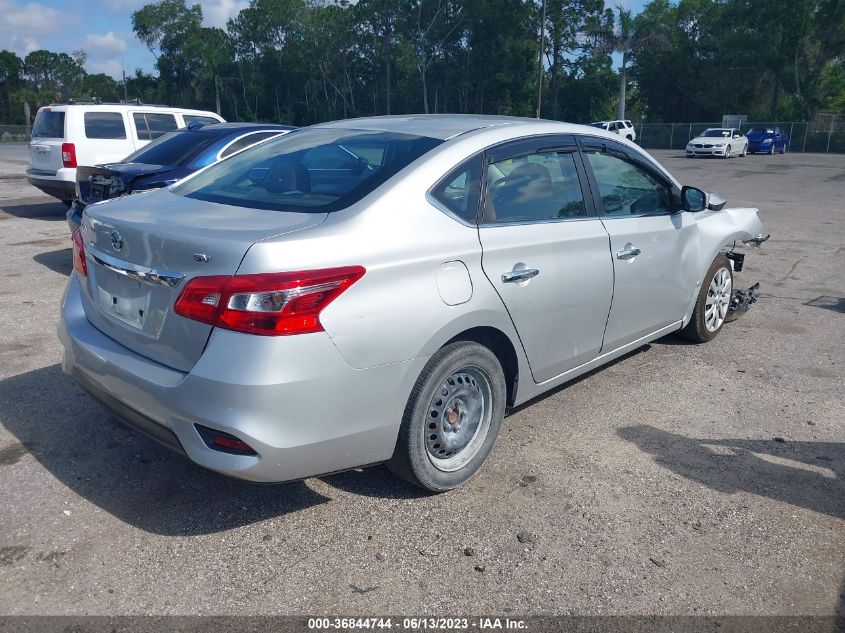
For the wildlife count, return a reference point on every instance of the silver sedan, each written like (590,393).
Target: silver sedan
(384,289)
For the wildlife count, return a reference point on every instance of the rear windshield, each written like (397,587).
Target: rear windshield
(316,170)
(49,124)
(175,148)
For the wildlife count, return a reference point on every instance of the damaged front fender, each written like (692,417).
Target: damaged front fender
(718,232)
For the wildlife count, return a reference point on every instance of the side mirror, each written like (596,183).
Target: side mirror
(695,200)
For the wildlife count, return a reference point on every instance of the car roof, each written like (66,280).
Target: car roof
(446,126)
(222,128)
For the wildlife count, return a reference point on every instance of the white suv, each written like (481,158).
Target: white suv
(67,135)
(622,128)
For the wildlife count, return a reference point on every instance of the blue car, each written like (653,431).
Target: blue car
(164,161)
(766,139)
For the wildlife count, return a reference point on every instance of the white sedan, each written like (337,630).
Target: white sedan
(718,141)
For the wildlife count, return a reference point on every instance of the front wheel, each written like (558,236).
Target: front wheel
(728,151)
(783,149)
(772,149)
(452,418)
(712,303)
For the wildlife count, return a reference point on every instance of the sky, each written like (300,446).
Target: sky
(103,29)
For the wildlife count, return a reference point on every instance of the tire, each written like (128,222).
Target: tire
(744,151)
(772,149)
(783,149)
(461,383)
(727,152)
(67,203)
(703,326)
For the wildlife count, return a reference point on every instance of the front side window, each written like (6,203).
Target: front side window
(459,191)
(105,125)
(194,118)
(308,171)
(627,189)
(542,186)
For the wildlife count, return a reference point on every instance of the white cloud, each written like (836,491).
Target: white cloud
(23,25)
(217,12)
(103,45)
(111,67)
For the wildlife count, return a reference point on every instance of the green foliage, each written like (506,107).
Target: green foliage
(305,61)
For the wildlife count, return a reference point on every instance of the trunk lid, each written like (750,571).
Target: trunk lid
(48,133)
(142,250)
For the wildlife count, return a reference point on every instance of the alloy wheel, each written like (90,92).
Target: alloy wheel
(718,300)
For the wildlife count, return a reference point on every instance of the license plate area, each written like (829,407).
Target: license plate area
(135,304)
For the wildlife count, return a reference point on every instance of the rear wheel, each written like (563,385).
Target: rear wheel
(711,305)
(452,418)
(744,151)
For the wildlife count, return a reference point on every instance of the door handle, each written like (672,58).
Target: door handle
(629,252)
(522,274)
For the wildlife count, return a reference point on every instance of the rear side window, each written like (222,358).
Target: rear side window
(49,124)
(104,125)
(308,171)
(151,125)
(193,118)
(542,186)
(459,191)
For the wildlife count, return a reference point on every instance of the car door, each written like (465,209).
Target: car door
(652,243)
(545,251)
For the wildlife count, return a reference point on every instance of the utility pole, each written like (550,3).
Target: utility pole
(125,94)
(540,60)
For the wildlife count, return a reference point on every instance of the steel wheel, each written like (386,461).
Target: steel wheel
(453,417)
(460,414)
(718,299)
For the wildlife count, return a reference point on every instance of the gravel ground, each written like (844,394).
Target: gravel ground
(679,480)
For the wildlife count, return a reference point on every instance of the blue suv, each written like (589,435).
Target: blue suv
(164,161)
(766,139)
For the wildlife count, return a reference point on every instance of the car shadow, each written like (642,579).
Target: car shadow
(123,472)
(826,302)
(375,481)
(35,208)
(59,261)
(803,474)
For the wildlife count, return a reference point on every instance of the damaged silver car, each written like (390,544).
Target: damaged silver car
(383,289)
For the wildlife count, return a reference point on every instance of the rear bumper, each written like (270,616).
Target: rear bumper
(293,399)
(61,185)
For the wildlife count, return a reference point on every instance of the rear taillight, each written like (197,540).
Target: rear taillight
(223,442)
(68,155)
(79,263)
(271,304)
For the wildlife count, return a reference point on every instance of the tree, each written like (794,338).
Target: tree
(627,40)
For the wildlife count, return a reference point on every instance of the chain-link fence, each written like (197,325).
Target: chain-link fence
(826,136)
(10,133)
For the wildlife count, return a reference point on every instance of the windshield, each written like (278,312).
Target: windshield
(174,148)
(761,130)
(308,171)
(49,124)
(717,133)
